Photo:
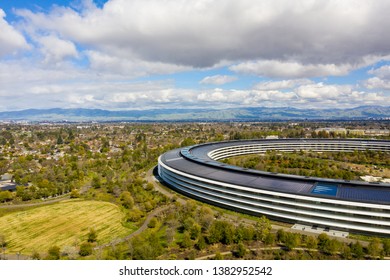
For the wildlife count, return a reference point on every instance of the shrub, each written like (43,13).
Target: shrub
(53,253)
(152,223)
(92,236)
(85,249)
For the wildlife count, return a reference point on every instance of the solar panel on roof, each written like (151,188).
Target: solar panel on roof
(233,178)
(282,185)
(339,189)
(364,194)
(325,189)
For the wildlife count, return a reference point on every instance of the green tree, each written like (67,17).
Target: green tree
(262,228)
(221,231)
(311,242)
(53,253)
(186,241)
(228,234)
(292,240)
(127,200)
(143,252)
(374,248)
(189,208)
(201,244)
(322,241)
(92,236)
(105,146)
(281,236)
(74,194)
(36,256)
(239,236)
(386,246)
(188,223)
(60,141)
(96,182)
(85,249)
(240,250)
(331,247)
(215,233)
(206,218)
(5,196)
(152,223)
(357,250)
(23,193)
(134,215)
(187,142)
(269,239)
(345,252)
(195,231)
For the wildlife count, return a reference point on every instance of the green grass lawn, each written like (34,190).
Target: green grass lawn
(65,223)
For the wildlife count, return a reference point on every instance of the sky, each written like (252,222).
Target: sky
(147,54)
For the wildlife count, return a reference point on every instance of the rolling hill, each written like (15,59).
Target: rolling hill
(232,114)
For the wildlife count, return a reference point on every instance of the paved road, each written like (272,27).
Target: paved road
(152,177)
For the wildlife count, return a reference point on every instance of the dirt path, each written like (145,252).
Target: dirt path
(144,226)
(150,177)
(46,202)
(265,249)
(252,249)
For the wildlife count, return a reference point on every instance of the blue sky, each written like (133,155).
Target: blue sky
(143,54)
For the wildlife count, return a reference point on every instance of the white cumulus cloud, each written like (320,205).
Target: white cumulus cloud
(377,83)
(116,56)
(321,91)
(11,40)
(288,69)
(381,79)
(55,49)
(381,72)
(283,84)
(320,36)
(218,80)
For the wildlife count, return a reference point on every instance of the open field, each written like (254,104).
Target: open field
(62,224)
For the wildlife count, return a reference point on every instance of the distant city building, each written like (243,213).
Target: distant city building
(377,132)
(338,130)
(356,132)
(367,132)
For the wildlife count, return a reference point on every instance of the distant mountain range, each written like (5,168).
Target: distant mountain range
(233,114)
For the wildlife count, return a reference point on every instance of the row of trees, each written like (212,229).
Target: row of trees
(109,163)
(332,247)
(328,165)
(70,252)
(185,232)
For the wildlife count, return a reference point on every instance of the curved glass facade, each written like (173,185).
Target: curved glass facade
(344,205)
